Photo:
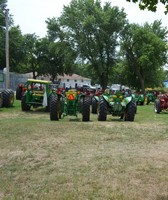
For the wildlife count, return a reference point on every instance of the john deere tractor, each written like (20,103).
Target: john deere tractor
(71,104)
(37,93)
(117,105)
(150,96)
(139,98)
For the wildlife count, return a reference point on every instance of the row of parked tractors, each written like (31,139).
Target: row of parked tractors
(60,103)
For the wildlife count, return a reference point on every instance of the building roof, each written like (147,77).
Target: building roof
(73,76)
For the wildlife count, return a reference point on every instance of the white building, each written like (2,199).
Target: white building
(74,80)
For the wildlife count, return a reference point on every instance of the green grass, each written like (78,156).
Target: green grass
(71,159)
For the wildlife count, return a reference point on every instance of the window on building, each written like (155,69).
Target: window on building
(75,80)
(67,80)
(82,80)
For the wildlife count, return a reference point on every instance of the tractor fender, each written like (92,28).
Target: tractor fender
(127,100)
(97,98)
(105,97)
(141,97)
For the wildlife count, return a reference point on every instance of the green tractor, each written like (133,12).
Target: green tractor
(139,98)
(151,96)
(37,94)
(71,104)
(116,105)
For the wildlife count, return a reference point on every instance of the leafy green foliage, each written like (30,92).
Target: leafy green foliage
(92,31)
(16,50)
(145,54)
(151,5)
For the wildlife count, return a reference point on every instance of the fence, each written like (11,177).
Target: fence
(15,79)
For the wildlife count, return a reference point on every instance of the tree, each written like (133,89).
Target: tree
(145,54)
(60,57)
(92,31)
(16,50)
(31,54)
(151,4)
(15,41)
(55,58)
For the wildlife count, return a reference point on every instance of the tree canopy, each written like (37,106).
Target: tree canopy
(145,52)
(151,5)
(93,32)
(93,40)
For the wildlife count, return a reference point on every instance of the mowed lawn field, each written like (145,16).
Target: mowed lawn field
(74,160)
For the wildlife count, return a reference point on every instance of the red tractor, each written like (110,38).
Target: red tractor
(21,88)
(161,103)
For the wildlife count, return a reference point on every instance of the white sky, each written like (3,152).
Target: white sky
(30,15)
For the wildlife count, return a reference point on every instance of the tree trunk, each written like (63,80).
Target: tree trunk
(142,85)
(34,75)
(103,80)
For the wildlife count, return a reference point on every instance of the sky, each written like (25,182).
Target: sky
(31,15)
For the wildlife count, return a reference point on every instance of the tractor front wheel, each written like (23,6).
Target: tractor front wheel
(54,108)
(102,110)
(130,112)
(94,106)
(86,110)
(24,105)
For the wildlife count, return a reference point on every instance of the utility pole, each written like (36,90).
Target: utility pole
(7,49)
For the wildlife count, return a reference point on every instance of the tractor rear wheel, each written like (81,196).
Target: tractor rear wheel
(102,111)
(8,97)
(24,105)
(86,109)
(18,93)
(157,106)
(94,106)
(54,108)
(130,112)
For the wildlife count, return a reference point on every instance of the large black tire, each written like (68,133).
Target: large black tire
(102,110)
(157,106)
(130,112)
(18,93)
(8,97)
(86,110)
(24,105)
(1,99)
(54,108)
(94,106)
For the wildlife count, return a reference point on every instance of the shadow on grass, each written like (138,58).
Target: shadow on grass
(37,111)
